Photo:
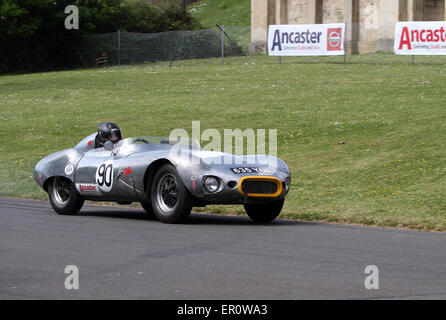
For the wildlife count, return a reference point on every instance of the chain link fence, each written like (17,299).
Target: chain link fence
(222,44)
(121,48)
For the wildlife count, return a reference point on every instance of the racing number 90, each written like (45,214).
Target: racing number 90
(105,174)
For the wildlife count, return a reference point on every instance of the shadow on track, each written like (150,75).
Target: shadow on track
(194,219)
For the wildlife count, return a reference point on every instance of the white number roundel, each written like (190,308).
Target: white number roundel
(104,176)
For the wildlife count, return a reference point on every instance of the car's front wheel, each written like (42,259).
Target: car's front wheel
(264,212)
(149,210)
(64,197)
(171,202)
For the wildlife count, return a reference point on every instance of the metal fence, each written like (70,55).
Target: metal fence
(121,48)
(216,44)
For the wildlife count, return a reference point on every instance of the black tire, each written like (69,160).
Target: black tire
(171,202)
(149,210)
(64,197)
(265,212)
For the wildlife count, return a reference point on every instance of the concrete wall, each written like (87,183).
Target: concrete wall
(301,11)
(433,10)
(428,10)
(388,17)
(333,11)
(259,26)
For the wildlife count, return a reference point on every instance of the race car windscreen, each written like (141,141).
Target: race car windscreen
(187,142)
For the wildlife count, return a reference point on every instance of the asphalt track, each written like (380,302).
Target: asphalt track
(123,255)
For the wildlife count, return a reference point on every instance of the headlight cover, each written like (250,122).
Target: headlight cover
(211,184)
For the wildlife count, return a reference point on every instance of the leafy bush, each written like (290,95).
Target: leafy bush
(141,16)
(33,35)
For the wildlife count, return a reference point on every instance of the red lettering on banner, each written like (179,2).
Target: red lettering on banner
(415,35)
(405,39)
(421,35)
(430,36)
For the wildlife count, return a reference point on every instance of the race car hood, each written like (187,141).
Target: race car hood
(212,158)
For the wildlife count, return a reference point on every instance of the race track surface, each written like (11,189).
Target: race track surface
(123,255)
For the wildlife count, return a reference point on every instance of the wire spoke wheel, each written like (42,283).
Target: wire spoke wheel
(61,190)
(171,202)
(64,197)
(167,194)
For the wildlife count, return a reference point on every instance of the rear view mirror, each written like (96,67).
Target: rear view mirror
(108,146)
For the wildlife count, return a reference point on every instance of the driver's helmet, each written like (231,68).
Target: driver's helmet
(108,131)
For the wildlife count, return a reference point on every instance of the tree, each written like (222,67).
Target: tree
(33,34)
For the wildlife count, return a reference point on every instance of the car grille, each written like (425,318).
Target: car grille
(260,186)
(267,187)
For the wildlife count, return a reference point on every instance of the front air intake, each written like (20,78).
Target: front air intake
(268,187)
(260,186)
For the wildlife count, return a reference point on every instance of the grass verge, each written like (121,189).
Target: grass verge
(390,171)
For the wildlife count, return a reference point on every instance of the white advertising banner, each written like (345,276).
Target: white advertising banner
(420,38)
(306,39)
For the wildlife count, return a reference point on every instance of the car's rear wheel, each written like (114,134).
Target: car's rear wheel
(264,212)
(171,202)
(64,197)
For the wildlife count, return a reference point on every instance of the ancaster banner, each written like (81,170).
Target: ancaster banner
(306,39)
(420,38)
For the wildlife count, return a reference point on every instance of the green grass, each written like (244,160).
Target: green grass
(391,171)
(223,12)
(234,15)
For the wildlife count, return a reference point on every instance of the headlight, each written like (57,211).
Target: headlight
(211,184)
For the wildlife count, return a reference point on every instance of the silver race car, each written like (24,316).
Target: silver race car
(167,177)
